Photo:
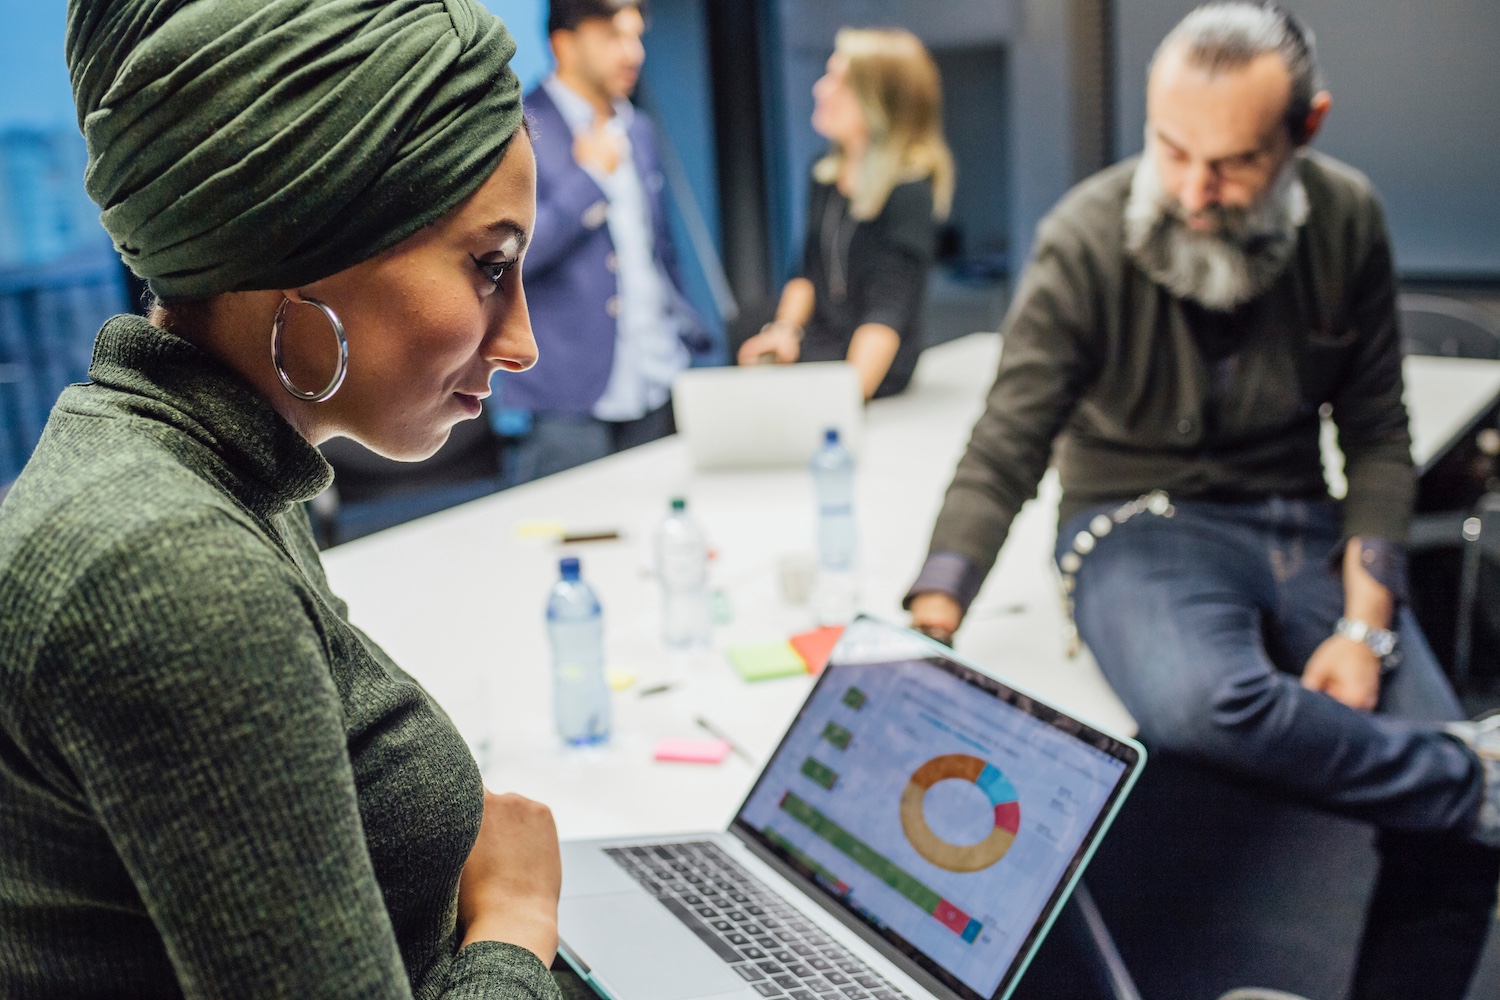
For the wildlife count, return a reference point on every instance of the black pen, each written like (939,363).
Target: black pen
(603,535)
(719,734)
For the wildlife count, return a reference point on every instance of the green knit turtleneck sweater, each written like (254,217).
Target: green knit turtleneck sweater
(211,784)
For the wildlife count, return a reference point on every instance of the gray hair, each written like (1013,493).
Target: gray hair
(1227,34)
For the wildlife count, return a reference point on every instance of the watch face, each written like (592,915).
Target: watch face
(1382,642)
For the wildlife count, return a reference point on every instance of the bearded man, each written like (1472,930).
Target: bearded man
(1183,321)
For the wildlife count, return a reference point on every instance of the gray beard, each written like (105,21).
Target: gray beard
(1220,270)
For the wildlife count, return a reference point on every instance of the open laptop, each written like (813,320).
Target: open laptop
(914,835)
(759,416)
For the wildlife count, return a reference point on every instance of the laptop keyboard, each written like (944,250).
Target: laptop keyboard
(771,945)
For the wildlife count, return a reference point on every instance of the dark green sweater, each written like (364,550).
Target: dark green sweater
(1104,371)
(211,784)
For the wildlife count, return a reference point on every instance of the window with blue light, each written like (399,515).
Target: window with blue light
(59,276)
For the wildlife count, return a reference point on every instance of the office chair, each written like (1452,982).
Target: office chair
(1448,328)
(1444,327)
(1481,540)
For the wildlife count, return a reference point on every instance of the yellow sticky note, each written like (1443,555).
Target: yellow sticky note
(619,678)
(762,661)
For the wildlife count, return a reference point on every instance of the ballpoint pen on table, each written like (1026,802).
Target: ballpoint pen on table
(717,733)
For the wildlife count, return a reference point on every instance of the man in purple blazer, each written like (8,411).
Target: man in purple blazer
(612,325)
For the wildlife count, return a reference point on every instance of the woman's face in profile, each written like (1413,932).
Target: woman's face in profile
(836,113)
(430,320)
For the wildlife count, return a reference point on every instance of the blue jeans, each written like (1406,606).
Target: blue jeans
(1202,624)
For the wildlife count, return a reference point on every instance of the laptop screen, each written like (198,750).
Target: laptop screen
(942,809)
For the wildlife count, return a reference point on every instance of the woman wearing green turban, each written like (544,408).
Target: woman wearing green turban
(211,784)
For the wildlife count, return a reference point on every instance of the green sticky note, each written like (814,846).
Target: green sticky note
(761,661)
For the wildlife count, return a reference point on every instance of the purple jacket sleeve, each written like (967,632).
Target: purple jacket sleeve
(568,209)
(947,573)
(1383,559)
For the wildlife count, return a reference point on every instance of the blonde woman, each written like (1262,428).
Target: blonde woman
(874,205)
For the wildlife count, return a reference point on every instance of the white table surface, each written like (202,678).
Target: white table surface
(1443,398)
(457,598)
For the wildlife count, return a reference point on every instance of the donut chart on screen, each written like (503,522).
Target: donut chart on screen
(996,787)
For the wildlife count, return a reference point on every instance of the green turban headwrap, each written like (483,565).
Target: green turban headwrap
(252,144)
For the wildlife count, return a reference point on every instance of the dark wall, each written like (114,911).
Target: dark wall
(676,86)
(977,125)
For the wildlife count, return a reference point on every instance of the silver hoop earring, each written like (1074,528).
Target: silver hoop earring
(279,324)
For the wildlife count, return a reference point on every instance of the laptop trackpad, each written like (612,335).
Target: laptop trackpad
(641,951)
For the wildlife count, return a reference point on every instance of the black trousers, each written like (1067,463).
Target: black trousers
(1428,918)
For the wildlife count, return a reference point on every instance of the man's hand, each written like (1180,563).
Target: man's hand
(1346,671)
(937,615)
(598,148)
(509,886)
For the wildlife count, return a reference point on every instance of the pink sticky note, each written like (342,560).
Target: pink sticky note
(691,751)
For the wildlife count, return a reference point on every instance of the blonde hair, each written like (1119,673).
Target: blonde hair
(898,88)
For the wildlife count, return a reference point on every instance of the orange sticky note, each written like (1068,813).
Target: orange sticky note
(814,647)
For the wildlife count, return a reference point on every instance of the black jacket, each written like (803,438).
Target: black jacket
(869,272)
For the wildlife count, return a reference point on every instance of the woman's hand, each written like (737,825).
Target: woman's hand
(509,887)
(871,352)
(781,339)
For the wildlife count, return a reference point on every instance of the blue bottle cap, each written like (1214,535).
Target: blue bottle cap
(569,567)
(831,435)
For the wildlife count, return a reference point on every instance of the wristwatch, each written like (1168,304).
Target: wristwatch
(1382,642)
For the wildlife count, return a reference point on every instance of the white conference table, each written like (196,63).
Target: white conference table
(457,598)
(1446,396)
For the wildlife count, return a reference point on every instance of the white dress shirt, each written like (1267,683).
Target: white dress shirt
(649,351)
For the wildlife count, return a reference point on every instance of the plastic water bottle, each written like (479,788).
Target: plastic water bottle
(682,565)
(580,694)
(838,540)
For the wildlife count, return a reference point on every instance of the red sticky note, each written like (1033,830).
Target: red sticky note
(691,751)
(815,646)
